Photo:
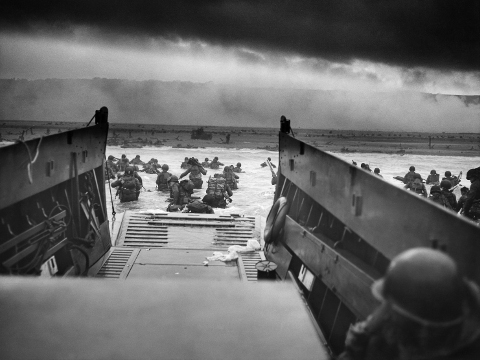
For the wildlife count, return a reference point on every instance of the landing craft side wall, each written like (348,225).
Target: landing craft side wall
(390,219)
(54,164)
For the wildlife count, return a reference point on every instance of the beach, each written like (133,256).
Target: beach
(337,141)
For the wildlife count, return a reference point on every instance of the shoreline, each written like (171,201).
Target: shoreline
(336,141)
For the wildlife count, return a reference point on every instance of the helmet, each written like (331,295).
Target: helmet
(433,172)
(423,285)
(445,184)
(464,189)
(412,168)
(111,157)
(124,156)
(269,159)
(239,165)
(215,158)
(376,171)
(209,200)
(137,156)
(435,189)
(186,157)
(165,167)
(448,173)
(472,173)
(226,168)
(206,159)
(129,170)
(173,178)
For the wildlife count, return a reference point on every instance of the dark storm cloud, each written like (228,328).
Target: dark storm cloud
(441,34)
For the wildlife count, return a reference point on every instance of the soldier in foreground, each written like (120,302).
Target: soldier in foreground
(129,186)
(427,311)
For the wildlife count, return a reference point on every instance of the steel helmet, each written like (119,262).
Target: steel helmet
(206,159)
(448,173)
(433,172)
(435,189)
(423,285)
(165,167)
(239,165)
(226,168)
(111,157)
(472,173)
(445,184)
(412,168)
(173,178)
(376,171)
(129,170)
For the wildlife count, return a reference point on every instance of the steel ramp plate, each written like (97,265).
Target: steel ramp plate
(176,245)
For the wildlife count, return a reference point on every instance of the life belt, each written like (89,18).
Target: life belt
(276,220)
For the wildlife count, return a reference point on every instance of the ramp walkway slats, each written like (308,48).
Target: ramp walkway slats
(176,245)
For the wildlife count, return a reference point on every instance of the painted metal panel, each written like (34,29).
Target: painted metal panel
(390,219)
(351,281)
(153,319)
(53,161)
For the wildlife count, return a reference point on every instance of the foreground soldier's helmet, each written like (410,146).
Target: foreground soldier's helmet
(445,184)
(226,168)
(129,170)
(206,159)
(173,178)
(412,168)
(111,157)
(165,167)
(448,173)
(433,172)
(423,285)
(435,189)
(472,173)
(215,158)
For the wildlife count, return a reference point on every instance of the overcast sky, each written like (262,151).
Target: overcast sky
(430,46)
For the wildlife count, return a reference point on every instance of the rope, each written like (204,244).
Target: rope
(37,152)
(111,199)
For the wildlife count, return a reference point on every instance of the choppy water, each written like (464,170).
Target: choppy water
(255,193)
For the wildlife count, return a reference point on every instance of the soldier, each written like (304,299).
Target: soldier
(129,186)
(110,167)
(445,185)
(453,179)
(433,178)
(377,172)
(218,192)
(215,164)
(179,194)
(162,179)
(206,163)
(410,176)
(437,197)
(472,202)
(230,177)
(137,161)
(238,168)
(185,164)
(427,311)
(196,170)
(417,185)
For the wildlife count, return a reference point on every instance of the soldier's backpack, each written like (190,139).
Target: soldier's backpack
(129,189)
(417,185)
(199,207)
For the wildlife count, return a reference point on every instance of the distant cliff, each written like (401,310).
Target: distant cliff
(212,104)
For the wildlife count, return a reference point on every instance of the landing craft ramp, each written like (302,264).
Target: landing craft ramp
(175,245)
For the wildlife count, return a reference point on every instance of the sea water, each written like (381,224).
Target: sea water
(255,192)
